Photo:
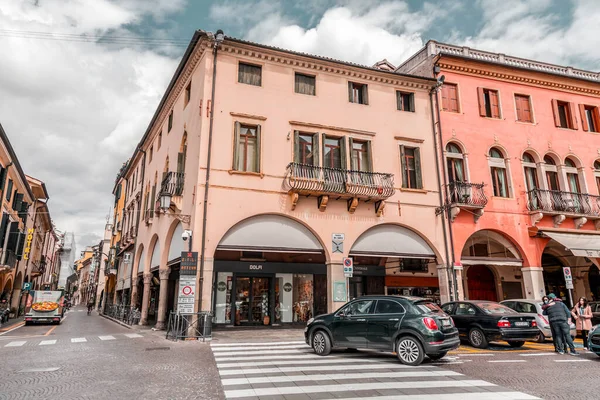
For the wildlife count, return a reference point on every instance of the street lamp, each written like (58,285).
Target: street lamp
(165,205)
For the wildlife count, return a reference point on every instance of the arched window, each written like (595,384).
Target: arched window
(530,169)
(551,173)
(572,175)
(181,157)
(455,163)
(597,174)
(498,171)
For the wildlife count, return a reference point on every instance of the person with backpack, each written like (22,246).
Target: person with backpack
(559,317)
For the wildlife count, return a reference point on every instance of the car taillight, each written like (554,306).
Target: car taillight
(503,323)
(543,319)
(533,324)
(430,323)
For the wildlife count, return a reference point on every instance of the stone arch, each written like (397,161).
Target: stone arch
(18,282)
(534,154)
(457,143)
(503,150)
(171,249)
(576,160)
(8,286)
(497,236)
(554,156)
(139,260)
(153,250)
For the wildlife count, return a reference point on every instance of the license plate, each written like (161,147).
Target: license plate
(445,322)
(521,323)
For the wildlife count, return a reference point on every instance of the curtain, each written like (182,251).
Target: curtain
(503,187)
(531,181)
(458,167)
(305,84)
(250,74)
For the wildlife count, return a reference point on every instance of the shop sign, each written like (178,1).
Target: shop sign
(348,267)
(189,263)
(221,286)
(368,270)
(287,287)
(339,291)
(26,286)
(28,240)
(187,293)
(568,277)
(337,242)
(269,267)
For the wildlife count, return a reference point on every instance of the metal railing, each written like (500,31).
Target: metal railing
(190,326)
(127,314)
(466,193)
(173,183)
(306,178)
(559,201)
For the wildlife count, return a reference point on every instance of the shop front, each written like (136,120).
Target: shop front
(250,293)
(366,280)
(426,287)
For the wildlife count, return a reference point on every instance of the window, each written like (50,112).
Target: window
(529,167)
(414,265)
(246,152)
(360,155)
(489,103)
(597,174)
(498,170)
(150,154)
(405,101)
(334,152)
(188,94)
(3,174)
(455,163)
(572,176)
(9,190)
(450,97)
(358,93)
(306,148)
(523,106)
(564,115)
(590,118)
(388,307)
(170,124)
(551,173)
(360,307)
(465,309)
(159,141)
(448,308)
(305,84)
(250,74)
(411,167)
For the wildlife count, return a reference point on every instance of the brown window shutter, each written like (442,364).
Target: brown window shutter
(584,121)
(526,107)
(453,99)
(495,106)
(519,106)
(445,97)
(555,111)
(595,113)
(573,116)
(481,98)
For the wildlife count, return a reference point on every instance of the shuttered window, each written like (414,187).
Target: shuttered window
(334,152)
(450,97)
(306,148)
(3,172)
(523,107)
(170,123)
(358,93)
(360,155)
(9,190)
(590,118)
(410,158)
(3,228)
(564,114)
(250,74)
(188,94)
(17,201)
(405,101)
(305,84)
(489,103)
(246,149)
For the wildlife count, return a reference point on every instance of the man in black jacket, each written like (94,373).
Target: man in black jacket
(559,316)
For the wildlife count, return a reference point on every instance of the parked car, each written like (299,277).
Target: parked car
(533,308)
(595,306)
(594,339)
(411,327)
(481,322)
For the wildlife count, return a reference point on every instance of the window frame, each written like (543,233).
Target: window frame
(187,94)
(570,117)
(368,154)
(530,102)
(170,122)
(591,120)
(249,64)
(341,146)
(496,165)
(405,169)
(457,92)
(314,77)
(363,93)
(316,162)
(238,125)
(486,109)
(411,101)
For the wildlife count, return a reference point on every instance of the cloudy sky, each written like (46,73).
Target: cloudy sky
(80,79)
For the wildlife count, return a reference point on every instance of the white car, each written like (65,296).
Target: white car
(534,308)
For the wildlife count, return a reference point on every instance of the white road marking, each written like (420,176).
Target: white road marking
(78,340)
(47,342)
(455,396)
(321,360)
(243,350)
(16,344)
(538,354)
(263,352)
(40,369)
(133,335)
(236,344)
(480,355)
(574,360)
(507,361)
(326,368)
(108,337)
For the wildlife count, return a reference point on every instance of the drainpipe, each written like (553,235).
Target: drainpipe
(217,41)
(432,93)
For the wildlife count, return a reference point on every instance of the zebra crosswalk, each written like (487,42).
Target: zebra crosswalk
(51,342)
(282,370)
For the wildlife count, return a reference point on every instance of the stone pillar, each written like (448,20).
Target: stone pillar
(162,298)
(206,283)
(16,299)
(442,275)
(459,284)
(134,292)
(145,298)
(335,273)
(533,280)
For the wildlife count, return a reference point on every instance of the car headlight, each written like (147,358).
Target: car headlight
(310,321)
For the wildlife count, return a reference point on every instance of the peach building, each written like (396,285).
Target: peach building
(280,165)
(522,156)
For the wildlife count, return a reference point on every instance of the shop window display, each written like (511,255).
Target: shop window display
(302,298)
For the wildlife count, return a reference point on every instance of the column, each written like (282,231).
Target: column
(162,298)
(145,298)
(459,283)
(134,292)
(442,275)
(533,280)
(206,282)
(335,273)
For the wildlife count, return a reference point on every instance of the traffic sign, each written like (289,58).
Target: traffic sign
(187,291)
(568,277)
(348,267)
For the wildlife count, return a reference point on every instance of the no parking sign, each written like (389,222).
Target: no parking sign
(568,277)
(348,267)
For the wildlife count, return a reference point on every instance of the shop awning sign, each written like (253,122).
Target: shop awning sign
(568,277)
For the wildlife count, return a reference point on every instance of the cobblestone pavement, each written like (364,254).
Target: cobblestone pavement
(90,357)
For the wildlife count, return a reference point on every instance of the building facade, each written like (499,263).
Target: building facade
(275,166)
(522,171)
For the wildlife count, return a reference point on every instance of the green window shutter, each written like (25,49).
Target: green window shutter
(418,168)
(296,146)
(365,93)
(181,163)
(351,147)
(412,102)
(398,100)
(3,172)
(343,152)
(323,137)
(350,99)
(258,149)
(236,145)
(17,202)
(145,211)
(20,244)
(369,157)
(13,236)
(315,150)
(152,201)
(9,190)
(3,227)
(403,167)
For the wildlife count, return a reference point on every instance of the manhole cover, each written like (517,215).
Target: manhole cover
(157,348)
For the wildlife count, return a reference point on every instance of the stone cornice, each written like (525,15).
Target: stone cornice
(475,71)
(293,60)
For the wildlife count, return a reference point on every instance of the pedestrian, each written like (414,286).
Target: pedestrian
(559,316)
(546,302)
(582,313)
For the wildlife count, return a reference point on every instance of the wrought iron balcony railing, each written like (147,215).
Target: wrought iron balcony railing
(310,180)
(172,183)
(557,201)
(466,194)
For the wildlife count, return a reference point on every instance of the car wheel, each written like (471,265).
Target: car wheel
(477,338)
(321,343)
(516,344)
(409,351)
(541,338)
(437,356)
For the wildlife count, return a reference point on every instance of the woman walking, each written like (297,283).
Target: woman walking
(583,319)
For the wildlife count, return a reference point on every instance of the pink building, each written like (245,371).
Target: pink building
(310,160)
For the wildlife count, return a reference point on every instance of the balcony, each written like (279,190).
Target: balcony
(561,205)
(9,259)
(323,182)
(465,196)
(173,184)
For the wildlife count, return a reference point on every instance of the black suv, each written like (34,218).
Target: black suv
(411,327)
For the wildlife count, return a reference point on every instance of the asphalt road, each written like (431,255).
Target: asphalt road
(90,357)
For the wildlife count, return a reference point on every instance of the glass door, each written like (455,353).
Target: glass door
(252,300)
(242,300)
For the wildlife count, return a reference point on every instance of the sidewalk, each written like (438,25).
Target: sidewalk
(256,334)
(12,323)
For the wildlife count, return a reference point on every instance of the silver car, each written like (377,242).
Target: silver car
(534,308)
